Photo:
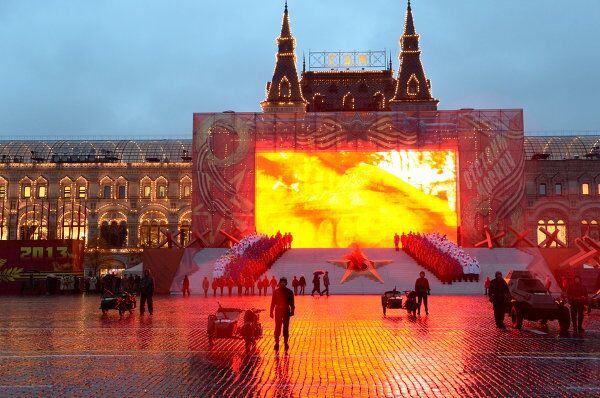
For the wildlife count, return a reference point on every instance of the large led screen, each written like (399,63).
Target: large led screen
(334,199)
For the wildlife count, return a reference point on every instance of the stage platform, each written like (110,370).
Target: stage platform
(401,273)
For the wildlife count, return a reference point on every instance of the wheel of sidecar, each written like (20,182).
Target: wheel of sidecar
(564,321)
(516,317)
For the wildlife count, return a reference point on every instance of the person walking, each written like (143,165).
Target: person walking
(577,296)
(486,285)
(146,292)
(240,285)
(205,286)
(397,241)
(295,285)
(186,286)
(282,308)
(326,283)
(302,284)
(499,297)
(316,284)
(422,290)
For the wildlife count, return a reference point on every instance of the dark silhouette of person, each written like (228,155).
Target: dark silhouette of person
(214,285)
(316,285)
(205,286)
(186,286)
(397,241)
(422,290)
(240,285)
(577,295)
(274,283)
(295,285)
(302,284)
(282,308)
(499,297)
(230,284)
(326,283)
(146,292)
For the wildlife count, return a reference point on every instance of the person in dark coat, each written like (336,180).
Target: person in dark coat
(499,297)
(577,295)
(186,286)
(302,284)
(397,241)
(205,286)
(295,285)
(146,292)
(230,285)
(326,283)
(274,284)
(316,285)
(422,290)
(214,285)
(282,308)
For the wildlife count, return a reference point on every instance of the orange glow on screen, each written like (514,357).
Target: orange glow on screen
(334,199)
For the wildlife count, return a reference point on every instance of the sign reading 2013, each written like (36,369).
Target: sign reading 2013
(43,252)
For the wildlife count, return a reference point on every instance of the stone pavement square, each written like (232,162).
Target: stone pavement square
(341,346)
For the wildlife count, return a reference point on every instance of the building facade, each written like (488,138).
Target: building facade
(123,193)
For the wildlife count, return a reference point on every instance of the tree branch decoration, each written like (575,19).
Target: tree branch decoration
(9,274)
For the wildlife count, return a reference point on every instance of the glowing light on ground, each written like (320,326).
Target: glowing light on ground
(334,199)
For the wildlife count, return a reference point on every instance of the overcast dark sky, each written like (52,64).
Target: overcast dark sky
(141,67)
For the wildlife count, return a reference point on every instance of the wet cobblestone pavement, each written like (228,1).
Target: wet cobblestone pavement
(340,347)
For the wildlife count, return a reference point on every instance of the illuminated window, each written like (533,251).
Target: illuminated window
(121,192)
(348,102)
(552,226)
(187,190)
(162,191)
(558,189)
(67,191)
(106,192)
(379,102)
(585,188)
(590,228)
(81,191)
(150,227)
(598,191)
(146,191)
(2,191)
(26,191)
(41,191)
(285,91)
(542,189)
(412,85)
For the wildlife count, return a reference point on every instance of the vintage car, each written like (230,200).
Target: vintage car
(531,301)
(393,300)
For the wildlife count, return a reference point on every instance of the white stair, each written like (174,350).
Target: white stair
(401,273)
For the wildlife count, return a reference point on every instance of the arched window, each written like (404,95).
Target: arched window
(552,226)
(33,223)
(185,228)
(590,228)
(122,188)
(162,188)
(379,101)
(106,191)
(26,188)
(318,103)
(348,102)
(65,187)
(146,188)
(285,90)
(41,188)
(185,187)
(412,85)
(74,223)
(150,226)
(81,188)
(113,229)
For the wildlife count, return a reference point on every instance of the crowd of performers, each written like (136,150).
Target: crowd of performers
(444,258)
(246,261)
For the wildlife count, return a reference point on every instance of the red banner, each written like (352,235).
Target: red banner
(19,258)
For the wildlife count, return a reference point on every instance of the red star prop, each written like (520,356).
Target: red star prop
(356,261)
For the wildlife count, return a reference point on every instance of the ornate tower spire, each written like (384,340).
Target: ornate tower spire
(413,89)
(283,91)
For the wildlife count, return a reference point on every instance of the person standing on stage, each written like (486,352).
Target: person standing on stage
(422,290)
(146,292)
(499,297)
(282,308)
